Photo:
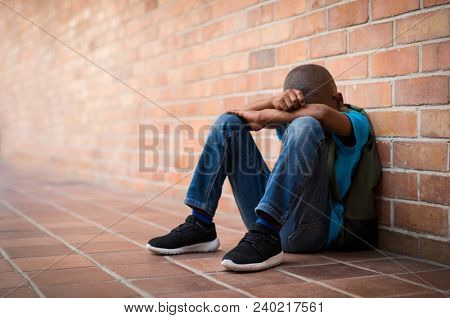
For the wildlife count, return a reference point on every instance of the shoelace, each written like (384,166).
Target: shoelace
(253,237)
(183,227)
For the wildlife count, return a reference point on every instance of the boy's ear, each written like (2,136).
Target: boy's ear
(339,99)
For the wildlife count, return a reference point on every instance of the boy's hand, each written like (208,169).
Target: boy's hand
(252,117)
(289,100)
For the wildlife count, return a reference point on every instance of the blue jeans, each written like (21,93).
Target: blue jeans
(295,193)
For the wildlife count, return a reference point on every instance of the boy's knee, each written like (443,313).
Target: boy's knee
(228,122)
(229,119)
(304,126)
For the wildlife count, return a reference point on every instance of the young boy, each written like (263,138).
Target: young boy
(289,209)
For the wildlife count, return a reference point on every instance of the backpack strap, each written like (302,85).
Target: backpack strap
(331,160)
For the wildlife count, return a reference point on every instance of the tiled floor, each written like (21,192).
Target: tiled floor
(60,238)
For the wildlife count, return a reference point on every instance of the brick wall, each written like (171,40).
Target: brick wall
(196,58)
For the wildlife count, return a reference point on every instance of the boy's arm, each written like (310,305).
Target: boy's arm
(331,119)
(288,100)
(260,104)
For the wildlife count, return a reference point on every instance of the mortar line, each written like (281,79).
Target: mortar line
(30,282)
(320,283)
(111,273)
(380,273)
(76,215)
(388,275)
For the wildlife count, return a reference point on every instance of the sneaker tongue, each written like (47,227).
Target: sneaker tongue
(190,219)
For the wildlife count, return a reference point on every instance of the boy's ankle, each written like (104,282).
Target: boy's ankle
(202,217)
(269,222)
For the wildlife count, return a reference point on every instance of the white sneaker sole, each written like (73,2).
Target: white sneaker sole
(273,261)
(195,248)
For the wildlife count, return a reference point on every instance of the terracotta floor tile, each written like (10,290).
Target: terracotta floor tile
(178,284)
(206,265)
(58,226)
(10,279)
(33,251)
(128,257)
(129,225)
(102,247)
(349,256)
(89,290)
(71,275)
(5,266)
(330,271)
(217,254)
(145,236)
(21,292)
(375,286)
(40,263)
(439,279)
(85,230)
(29,234)
(291,259)
(396,265)
(430,294)
(76,276)
(155,269)
(36,241)
(91,238)
(16,225)
(222,293)
(255,278)
(295,290)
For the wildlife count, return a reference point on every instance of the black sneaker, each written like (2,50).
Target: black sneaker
(259,249)
(190,237)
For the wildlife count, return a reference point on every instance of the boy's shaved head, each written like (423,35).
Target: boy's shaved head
(315,82)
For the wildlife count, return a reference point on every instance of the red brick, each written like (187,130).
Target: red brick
(421,155)
(430,3)
(311,24)
(314,4)
(287,8)
(235,63)
(394,123)
(388,8)
(397,242)
(370,94)
(435,123)
(260,15)
(347,14)
(262,58)
(434,188)
(438,251)
(399,185)
(436,56)
(244,41)
(421,218)
(220,86)
(275,33)
(328,44)
(353,67)
(247,82)
(395,62)
(383,211)
(293,52)
(426,26)
(384,151)
(422,90)
(370,37)
(273,78)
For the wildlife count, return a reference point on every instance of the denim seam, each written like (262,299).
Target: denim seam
(270,210)
(215,176)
